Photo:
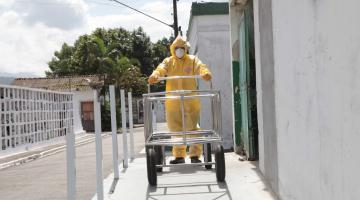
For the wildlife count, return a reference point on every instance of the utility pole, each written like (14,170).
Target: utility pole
(175,25)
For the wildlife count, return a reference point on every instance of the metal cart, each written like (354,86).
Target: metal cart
(156,141)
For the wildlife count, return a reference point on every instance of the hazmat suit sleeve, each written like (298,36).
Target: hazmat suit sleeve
(162,68)
(202,69)
(160,71)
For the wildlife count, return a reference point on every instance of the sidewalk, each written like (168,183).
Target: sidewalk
(34,151)
(243,181)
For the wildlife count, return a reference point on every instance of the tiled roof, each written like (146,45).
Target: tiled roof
(73,83)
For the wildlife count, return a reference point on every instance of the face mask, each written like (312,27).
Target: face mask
(179,52)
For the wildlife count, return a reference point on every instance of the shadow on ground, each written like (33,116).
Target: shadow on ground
(191,189)
(176,191)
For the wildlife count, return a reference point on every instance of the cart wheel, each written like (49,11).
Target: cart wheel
(220,163)
(208,155)
(151,168)
(159,157)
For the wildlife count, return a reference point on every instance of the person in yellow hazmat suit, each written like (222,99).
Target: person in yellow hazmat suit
(182,64)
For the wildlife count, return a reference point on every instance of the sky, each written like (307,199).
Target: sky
(31,30)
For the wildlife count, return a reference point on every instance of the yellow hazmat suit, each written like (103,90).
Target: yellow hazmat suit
(187,65)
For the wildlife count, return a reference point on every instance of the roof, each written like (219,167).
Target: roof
(208,8)
(77,83)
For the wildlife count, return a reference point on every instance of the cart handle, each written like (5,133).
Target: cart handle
(163,78)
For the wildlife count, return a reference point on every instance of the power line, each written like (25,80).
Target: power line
(116,1)
(103,3)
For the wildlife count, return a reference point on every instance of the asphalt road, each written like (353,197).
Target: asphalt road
(45,178)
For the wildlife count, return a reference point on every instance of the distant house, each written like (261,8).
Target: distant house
(83,95)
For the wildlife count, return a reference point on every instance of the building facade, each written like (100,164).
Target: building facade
(82,100)
(209,37)
(307,94)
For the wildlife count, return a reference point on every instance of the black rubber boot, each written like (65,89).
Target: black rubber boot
(195,159)
(178,160)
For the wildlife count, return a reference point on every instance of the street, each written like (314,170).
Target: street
(45,178)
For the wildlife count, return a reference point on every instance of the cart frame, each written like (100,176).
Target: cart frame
(155,141)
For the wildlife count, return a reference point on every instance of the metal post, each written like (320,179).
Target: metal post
(98,143)
(183,117)
(176,28)
(114,132)
(153,111)
(124,132)
(131,128)
(71,168)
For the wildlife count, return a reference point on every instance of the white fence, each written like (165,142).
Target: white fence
(32,115)
(70,144)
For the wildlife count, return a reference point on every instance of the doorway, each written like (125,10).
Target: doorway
(87,116)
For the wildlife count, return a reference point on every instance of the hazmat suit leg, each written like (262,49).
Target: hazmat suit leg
(174,121)
(179,151)
(195,150)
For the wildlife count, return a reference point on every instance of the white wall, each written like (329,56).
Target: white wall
(80,96)
(316,55)
(209,37)
(265,93)
(31,116)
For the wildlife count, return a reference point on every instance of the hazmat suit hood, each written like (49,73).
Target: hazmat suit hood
(178,42)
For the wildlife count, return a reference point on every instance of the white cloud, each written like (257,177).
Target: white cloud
(6,3)
(25,48)
(32,30)
(63,14)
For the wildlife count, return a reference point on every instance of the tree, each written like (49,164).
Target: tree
(142,49)
(60,64)
(126,57)
(89,55)
(162,50)
(127,76)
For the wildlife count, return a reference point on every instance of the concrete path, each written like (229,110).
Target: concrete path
(45,178)
(243,182)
